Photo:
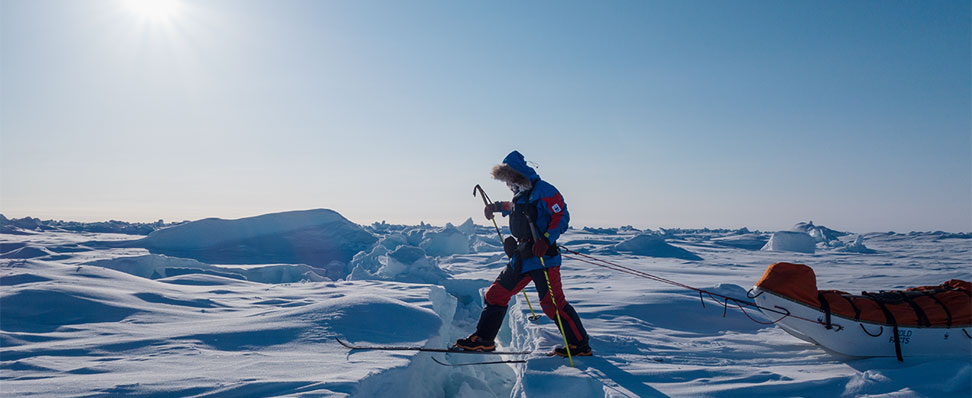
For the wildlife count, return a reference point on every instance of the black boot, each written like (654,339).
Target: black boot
(474,343)
(489,324)
(579,350)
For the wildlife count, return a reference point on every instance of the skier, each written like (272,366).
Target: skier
(538,203)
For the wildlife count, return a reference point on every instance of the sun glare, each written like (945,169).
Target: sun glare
(153,9)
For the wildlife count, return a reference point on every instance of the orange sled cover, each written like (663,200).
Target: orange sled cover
(945,305)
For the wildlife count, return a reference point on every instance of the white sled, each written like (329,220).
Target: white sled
(863,338)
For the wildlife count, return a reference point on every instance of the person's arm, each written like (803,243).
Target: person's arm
(552,216)
(504,207)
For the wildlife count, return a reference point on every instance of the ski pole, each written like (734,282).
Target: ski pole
(533,315)
(533,230)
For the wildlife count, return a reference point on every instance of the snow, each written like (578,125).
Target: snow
(468,227)
(393,258)
(156,266)
(27,252)
(857,246)
(748,241)
(791,241)
(96,315)
(314,237)
(818,232)
(653,246)
(449,241)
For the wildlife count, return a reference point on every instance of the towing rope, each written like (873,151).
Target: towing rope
(740,303)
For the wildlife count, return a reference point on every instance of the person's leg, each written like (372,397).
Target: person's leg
(508,283)
(573,328)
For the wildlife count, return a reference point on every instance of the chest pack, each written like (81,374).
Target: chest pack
(523,211)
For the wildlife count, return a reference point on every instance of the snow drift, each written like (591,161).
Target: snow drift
(857,246)
(78,327)
(450,240)
(314,237)
(819,233)
(791,241)
(155,266)
(393,258)
(654,246)
(93,331)
(748,241)
(27,252)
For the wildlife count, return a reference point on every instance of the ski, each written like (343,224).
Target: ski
(426,349)
(477,363)
(554,354)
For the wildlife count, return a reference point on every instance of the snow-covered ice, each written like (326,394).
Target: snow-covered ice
(791,241)
(187,311)
(856,246)
(315,237)
(652,246)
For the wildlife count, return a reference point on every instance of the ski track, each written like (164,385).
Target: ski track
(70,328)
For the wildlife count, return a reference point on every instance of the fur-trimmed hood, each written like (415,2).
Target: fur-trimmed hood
(515,170)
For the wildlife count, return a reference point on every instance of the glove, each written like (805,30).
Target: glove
(509,246)
(540,247)
(492,208)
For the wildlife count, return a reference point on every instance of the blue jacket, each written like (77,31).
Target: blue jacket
(551,212)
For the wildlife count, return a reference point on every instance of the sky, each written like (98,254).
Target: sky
(759,114)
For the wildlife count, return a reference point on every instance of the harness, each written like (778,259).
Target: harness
(523,211)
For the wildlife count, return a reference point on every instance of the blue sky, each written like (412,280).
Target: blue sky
(855,115)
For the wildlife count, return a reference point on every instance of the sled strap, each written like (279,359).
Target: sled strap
(948,314)
(890,319)
(825,306)
(857,311)
(922,317)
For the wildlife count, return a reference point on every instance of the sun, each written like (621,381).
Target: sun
(153,9)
